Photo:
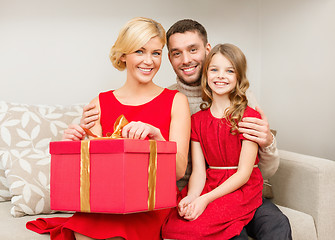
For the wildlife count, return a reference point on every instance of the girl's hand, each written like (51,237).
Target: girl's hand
(182,206)
(73,133)
(140,130)
(196,208)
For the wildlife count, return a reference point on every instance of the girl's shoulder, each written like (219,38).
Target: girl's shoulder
(250,112)
(201,114)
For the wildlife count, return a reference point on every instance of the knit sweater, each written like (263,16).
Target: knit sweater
(268,157)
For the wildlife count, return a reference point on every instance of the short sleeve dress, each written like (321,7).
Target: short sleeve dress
(136,226)
(226,216)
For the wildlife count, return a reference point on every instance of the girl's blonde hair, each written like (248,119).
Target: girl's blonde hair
(134,35)
(238,99)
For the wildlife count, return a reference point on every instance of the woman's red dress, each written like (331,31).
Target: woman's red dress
(226,216)
(136,226)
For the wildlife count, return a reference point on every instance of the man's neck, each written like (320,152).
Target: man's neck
(188,90)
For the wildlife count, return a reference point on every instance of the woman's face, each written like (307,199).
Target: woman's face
(221,75)
(143,64)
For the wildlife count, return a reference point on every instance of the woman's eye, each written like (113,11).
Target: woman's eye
(156,53)
(139,51)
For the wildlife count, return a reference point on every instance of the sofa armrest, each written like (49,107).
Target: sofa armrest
(307,184)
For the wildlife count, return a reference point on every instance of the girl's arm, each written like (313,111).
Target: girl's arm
(245,167)
(180,128)
(197,179)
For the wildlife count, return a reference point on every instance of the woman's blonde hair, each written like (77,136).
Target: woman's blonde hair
(238,99)
(134,35)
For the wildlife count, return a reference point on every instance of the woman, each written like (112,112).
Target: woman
(153,112)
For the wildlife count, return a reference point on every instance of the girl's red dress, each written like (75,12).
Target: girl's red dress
(136,226)
(226,216)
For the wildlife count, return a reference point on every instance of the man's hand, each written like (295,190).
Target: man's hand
(257,130)
(90,115)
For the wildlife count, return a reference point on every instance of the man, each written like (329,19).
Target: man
(187,49)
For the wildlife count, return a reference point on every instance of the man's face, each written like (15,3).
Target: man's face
(187,53)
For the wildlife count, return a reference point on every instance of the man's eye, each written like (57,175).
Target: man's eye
(193,50)
(176,54)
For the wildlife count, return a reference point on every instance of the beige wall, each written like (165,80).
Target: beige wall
(298,81)
(57,52)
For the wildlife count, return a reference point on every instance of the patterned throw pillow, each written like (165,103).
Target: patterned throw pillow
(26,131)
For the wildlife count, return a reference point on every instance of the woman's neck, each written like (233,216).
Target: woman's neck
(134,93)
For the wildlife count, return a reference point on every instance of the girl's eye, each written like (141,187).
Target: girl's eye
(230,71)
(213,69)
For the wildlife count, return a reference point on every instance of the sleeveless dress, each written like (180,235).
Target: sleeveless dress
(135,226)
(226,216)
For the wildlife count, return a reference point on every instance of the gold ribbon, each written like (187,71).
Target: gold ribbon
(85,205)
(121,121)
(152,170)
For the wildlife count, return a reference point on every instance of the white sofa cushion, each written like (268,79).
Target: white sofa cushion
(26,131)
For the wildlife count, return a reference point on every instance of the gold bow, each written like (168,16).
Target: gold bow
(121,121)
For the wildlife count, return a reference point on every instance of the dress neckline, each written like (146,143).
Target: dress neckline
(127,105)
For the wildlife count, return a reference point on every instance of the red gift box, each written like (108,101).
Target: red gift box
(113,176)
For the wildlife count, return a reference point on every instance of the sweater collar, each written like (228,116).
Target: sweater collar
(190,91)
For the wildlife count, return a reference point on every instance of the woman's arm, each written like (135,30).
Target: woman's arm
(180,129)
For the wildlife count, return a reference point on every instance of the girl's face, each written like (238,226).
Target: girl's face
(143,64)
(221,76)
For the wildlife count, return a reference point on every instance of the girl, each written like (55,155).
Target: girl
(225,187)
(153,112)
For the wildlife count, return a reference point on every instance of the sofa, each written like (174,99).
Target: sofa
(303,186)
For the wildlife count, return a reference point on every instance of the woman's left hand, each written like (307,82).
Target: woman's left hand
(140,130)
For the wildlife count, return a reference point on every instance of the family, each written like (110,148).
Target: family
(231,146)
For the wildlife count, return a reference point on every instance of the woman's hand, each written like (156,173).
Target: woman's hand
(73,133)
(196,208)
(140,130)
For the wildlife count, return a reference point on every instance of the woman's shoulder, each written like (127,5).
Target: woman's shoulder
(250,112)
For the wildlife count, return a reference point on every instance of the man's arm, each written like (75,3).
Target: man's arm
(258,130)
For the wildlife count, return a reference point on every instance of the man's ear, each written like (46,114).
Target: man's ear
(208,48)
